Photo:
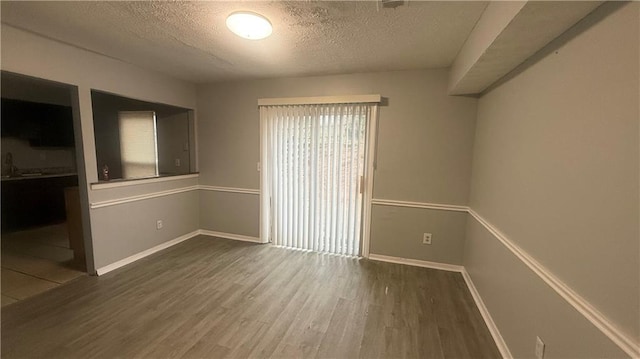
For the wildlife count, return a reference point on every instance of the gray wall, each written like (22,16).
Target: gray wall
(556,170)
(130,228)
(122,230)
(237,213)
(172,127)
(397,232)
(173,143)
(424,153)
(106,134)
(523,306)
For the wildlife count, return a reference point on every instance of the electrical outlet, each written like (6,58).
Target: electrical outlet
(426,238)
(159,224)
(539,348)
(177,161)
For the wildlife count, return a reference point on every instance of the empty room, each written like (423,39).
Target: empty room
(320,179)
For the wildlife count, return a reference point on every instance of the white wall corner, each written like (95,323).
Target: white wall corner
(624,341)
(491,325)
(486,316)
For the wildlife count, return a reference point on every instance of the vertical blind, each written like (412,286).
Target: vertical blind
(316,163)
(138,146)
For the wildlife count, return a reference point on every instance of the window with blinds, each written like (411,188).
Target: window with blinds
(138,145)
(316,162)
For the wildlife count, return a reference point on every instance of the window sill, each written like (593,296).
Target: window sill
(138,181)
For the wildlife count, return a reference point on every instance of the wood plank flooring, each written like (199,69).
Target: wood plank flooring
(34,261)
(216,298)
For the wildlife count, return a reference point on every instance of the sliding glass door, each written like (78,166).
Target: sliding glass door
(316,166)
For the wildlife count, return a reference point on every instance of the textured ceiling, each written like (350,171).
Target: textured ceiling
(189,40)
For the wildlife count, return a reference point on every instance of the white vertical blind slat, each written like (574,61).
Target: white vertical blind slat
(300,176)
(302,179)
(317,182)
(307,177)
(281,180)
(295,174)
(339,193)
(276,205)
(289,172)
(351,177)
(275,180)
(313,205)
(270,143)
(358,168)
(315,162)
(333,209)
(329,173)
(361,154)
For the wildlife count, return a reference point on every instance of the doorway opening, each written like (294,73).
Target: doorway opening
(42,232)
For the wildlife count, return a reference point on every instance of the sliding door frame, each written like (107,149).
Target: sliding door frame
(370,159)
(369,173)
(265,182)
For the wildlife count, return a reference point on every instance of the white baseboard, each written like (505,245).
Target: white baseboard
(493,328)
(145,253)
(237,237)
(417,263)
(626,342)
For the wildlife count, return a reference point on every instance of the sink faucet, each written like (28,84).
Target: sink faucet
(8,168)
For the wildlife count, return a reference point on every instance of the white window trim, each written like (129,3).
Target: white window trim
(265,188)
(319,100)
(372,130)
(134,182)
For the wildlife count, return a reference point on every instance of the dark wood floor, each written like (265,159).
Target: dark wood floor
(214,298)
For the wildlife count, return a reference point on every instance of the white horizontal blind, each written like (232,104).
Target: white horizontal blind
(316,160)
(138,145)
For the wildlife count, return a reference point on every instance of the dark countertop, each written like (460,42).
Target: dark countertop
(36,176)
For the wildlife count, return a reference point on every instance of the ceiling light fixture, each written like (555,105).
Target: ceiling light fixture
(249,25)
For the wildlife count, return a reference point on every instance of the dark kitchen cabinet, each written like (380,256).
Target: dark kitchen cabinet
(32,202)
(43,125)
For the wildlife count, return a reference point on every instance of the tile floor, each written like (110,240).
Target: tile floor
(34,261)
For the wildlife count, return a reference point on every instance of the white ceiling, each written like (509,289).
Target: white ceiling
(189,40)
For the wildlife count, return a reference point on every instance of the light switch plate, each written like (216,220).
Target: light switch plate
(539,348)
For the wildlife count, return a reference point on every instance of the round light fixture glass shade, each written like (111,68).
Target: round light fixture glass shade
(249,25)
